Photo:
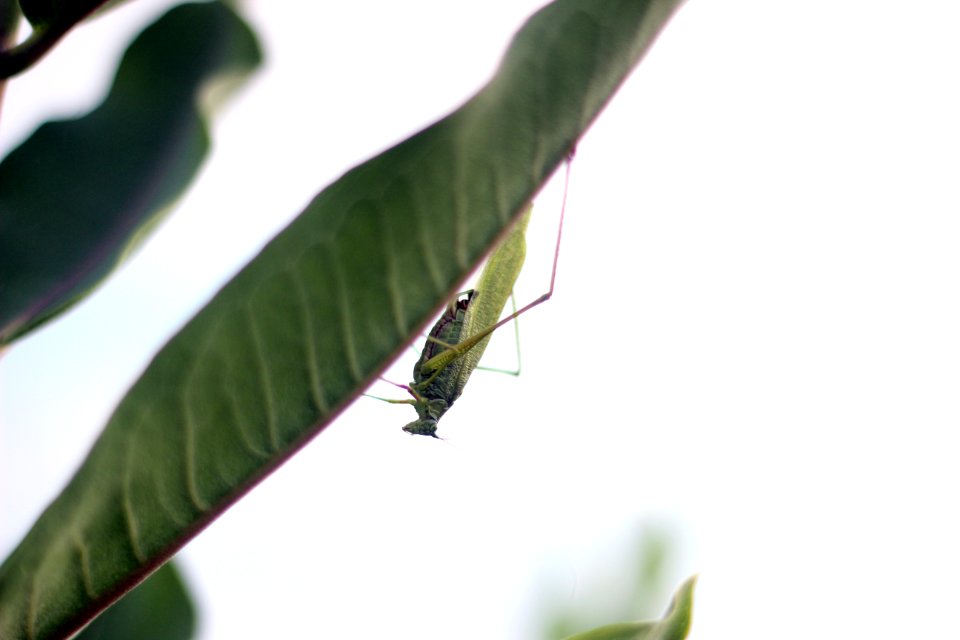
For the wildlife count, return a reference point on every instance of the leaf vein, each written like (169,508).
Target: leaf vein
(125,490)
(459,216)
(346,324)
(393,272)
(190,459)
(264,374)
(83,560)
(32,609)
(309,324)
(426,250)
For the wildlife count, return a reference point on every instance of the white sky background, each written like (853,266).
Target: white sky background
(753,344)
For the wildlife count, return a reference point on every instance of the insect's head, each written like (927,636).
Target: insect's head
(424,427)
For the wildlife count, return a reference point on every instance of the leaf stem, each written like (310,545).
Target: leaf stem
(17,58)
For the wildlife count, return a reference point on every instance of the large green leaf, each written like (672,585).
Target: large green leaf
(675,624)
(292,339)
(77,194)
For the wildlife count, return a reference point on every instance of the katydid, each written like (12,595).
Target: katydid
(458,339)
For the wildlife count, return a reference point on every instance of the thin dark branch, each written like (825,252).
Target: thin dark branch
(18,58)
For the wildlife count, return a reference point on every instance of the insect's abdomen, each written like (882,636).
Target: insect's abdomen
(447,330)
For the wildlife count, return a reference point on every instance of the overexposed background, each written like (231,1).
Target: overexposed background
(753,345)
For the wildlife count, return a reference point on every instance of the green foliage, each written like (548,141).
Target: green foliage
(159,608)
(77,195)
(630,584)
(675,624)
(296,336)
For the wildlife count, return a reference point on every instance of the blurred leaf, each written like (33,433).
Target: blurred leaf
(675,625)
(316,316)
(612,593)
(650,578)
(51,20)
(77,195)
(159,608)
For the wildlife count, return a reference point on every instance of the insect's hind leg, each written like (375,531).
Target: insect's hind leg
(467,344)
(416,396)
(390,400)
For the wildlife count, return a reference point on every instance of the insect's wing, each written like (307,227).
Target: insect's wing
(492,292)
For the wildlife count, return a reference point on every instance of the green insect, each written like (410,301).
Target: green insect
(458,339)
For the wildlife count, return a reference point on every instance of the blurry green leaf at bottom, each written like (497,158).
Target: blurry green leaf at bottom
(316,316)
(159,608)
(77,195)
(675,624)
